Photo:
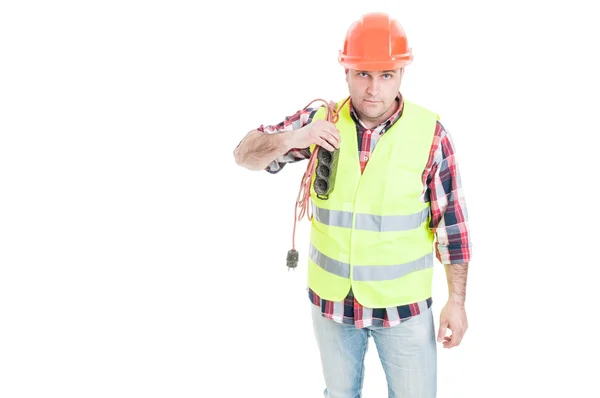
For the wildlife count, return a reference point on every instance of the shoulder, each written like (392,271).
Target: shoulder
(414,107)
(321,111)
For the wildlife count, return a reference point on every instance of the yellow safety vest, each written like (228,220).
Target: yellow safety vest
(372,233)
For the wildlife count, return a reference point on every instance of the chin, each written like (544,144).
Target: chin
(373,113)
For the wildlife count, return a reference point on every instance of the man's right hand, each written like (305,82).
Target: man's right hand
(319,132)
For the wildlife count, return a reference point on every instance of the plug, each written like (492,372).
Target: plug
(292,259)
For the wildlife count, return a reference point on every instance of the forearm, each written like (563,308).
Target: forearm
(258,149)
(456,276)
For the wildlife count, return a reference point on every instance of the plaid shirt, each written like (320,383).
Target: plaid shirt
(441,188)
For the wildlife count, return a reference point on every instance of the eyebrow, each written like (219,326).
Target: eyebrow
(385,71)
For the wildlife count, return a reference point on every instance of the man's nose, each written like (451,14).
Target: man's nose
(373,87)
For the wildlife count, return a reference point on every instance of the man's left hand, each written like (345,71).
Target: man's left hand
(453,317)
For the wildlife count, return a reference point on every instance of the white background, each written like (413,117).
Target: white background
(137,260)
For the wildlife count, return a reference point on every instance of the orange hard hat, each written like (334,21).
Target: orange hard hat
(375,42)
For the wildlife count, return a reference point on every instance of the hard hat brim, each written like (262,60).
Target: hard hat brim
(357,63)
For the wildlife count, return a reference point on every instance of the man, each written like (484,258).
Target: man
(372,240)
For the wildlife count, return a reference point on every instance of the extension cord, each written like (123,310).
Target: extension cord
(302,201)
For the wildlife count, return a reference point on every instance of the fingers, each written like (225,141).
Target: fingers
(333,139)
(325,134)
(451,341)
(442,331)
(454,339)
(326,145)
(331,135)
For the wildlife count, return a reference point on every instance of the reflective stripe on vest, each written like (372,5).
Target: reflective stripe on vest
(370,272)
(370,222)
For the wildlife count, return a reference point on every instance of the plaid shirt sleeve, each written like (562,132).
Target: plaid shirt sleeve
(444,190)
(294,122)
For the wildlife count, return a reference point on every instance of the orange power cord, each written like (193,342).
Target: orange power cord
(304,194)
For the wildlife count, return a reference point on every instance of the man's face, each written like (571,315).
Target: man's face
(374,93)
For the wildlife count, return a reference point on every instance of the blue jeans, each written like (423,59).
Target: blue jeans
(407,353)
